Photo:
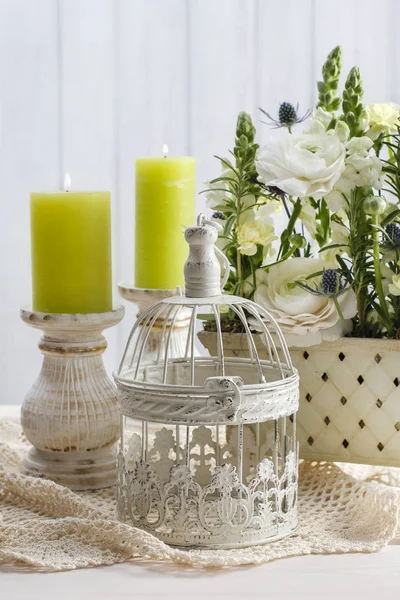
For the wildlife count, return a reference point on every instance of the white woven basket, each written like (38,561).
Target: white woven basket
(349,397)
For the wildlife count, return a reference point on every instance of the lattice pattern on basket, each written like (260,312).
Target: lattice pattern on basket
(349,402)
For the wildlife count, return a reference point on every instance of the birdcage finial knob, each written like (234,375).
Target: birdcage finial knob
(202,268)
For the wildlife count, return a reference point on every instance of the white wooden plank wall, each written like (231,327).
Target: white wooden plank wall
(89,85)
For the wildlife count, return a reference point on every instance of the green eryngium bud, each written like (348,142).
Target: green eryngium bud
(297,240)
(374,205)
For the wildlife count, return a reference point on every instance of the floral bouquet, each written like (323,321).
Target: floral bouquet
(311,220)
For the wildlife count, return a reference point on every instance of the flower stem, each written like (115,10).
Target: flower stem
(378,275)
(338,308)
(360,312)
(239,270)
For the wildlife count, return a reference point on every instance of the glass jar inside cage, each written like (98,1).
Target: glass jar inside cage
(208,454)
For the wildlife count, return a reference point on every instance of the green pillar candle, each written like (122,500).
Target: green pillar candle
(165,205)
(71,252)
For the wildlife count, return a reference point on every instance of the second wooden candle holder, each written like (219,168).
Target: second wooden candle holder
(144,298)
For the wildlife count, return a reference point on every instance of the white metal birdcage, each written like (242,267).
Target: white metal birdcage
(195,468)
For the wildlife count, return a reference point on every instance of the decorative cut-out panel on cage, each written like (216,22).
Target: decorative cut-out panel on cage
(195,467)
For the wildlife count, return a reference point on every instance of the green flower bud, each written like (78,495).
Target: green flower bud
(328,87)
(245,127)
(353,109)
(297,240)
(374,205)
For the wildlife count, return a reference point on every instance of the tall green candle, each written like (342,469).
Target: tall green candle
(165,205)
(71,252)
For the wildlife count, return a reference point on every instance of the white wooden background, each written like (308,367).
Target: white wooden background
(86,86)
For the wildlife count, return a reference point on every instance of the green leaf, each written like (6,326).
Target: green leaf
(229,224)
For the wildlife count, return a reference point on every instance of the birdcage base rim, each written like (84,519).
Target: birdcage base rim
(190,545)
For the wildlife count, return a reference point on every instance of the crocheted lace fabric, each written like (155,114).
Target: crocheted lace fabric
(341,509)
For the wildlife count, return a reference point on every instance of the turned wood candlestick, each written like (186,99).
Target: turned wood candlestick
(144,298)
(70,414)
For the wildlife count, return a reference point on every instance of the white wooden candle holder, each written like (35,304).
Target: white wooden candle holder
(70,414)
(144,298)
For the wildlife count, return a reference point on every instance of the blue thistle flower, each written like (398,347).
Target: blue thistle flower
(393,234)
(288,115)
(331,285)
(331,282)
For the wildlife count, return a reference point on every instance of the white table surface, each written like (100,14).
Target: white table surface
(336,577)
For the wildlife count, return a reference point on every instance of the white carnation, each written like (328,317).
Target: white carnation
(383,118)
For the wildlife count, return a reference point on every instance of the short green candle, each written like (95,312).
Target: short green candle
(165,205)
(71,252)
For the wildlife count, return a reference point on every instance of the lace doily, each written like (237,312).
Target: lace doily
(341,509)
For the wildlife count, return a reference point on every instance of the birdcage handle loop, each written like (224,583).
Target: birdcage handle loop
(225,266)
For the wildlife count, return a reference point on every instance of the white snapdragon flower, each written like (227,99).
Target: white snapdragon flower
(342,131)
(383,118)
(363,168)
(323,116)
(303,165)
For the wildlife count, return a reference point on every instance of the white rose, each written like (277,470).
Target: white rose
(382,118)
(303,165)
(304,318)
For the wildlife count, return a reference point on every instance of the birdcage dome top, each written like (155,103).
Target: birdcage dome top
(205,389)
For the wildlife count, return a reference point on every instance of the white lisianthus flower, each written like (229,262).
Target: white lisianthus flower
(252,234)
(304,318)
(383,118)
(303,165)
